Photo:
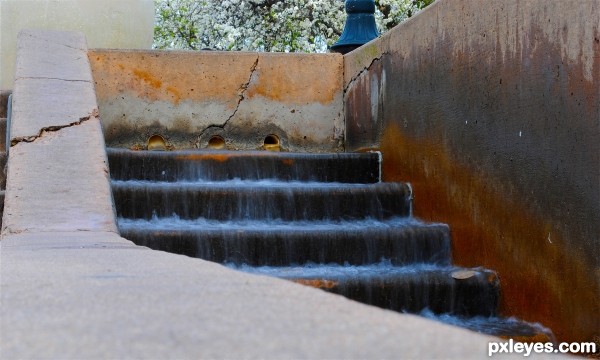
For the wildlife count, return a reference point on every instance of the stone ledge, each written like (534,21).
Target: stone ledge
(57,176)
(96,295)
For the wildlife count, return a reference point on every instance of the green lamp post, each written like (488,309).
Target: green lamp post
(360,26)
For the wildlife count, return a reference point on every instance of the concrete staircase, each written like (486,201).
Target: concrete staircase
(323,220)
(4,94)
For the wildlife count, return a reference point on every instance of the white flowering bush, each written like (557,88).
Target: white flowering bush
(264,25)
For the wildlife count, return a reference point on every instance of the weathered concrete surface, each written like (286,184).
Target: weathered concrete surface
(492,111)
(106,23)
(94,295)
(188,97)
(57,176)
(72,288)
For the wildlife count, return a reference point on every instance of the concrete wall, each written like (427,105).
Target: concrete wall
(106,23)
(491,111)
(188,97)
(57,178)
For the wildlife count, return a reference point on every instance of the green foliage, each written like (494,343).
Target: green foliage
(264,25)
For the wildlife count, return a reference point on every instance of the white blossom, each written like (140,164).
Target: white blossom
(264,25)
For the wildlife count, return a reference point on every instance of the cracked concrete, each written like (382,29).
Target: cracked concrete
(243,89)
(364,70)
(16,140)
(241,92)
(40,74)
(242,97)
(54,117)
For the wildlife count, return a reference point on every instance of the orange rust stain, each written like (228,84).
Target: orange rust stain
(204,156)
(317,283)
(288,162)
(540,281)
(147,78)
(302,85)
(217,77)
(156,83)
(292,90)
(176,94)
(121,66)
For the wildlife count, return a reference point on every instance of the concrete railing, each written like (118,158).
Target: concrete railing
(57,177)
(491,111)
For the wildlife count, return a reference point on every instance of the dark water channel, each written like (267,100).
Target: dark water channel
(322,220)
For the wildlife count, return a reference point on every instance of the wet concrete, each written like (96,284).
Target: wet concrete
(279,243)
(356,240)
(248,165)
(241,200)
(407,289)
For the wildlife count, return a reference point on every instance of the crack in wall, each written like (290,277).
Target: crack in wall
(365,69)
(242,91)
(48,129)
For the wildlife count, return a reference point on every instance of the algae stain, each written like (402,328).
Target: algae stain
(367,54)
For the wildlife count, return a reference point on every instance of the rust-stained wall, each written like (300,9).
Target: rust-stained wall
(188,97)
(492,111)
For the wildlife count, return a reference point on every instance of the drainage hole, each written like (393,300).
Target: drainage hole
(216,142)
(271,143)
(157,143)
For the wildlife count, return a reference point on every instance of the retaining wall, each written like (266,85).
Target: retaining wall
(491,111)
(189,97)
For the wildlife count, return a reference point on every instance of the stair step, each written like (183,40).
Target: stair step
(400,241)
(261,200)
(247,165)
(407,289)
(518,330)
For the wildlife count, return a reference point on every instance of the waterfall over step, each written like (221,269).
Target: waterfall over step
(4,98)
(322,220)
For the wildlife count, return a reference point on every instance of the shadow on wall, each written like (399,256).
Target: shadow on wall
(491,112)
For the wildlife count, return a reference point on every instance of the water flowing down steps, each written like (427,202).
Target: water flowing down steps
(322,220)
(4,96)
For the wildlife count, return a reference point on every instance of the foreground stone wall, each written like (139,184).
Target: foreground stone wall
(189,97)
(491,111)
